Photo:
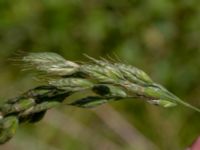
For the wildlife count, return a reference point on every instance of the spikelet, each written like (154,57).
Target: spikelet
(51,63)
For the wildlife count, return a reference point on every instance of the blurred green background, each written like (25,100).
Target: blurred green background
(160,37)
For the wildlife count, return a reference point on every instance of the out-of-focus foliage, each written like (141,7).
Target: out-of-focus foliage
(160,37)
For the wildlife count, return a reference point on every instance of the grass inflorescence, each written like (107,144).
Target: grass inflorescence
(107,81)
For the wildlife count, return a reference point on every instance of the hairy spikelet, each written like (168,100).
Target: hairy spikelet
(51,63)
(72,84)
(101,74)
(134,74)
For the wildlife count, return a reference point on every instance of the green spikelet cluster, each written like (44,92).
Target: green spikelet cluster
(106,81)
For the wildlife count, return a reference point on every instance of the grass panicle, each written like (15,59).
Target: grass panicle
(107,81)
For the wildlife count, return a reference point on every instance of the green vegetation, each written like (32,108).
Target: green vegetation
(160,37)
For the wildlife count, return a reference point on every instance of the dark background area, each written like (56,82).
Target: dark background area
(161,37)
